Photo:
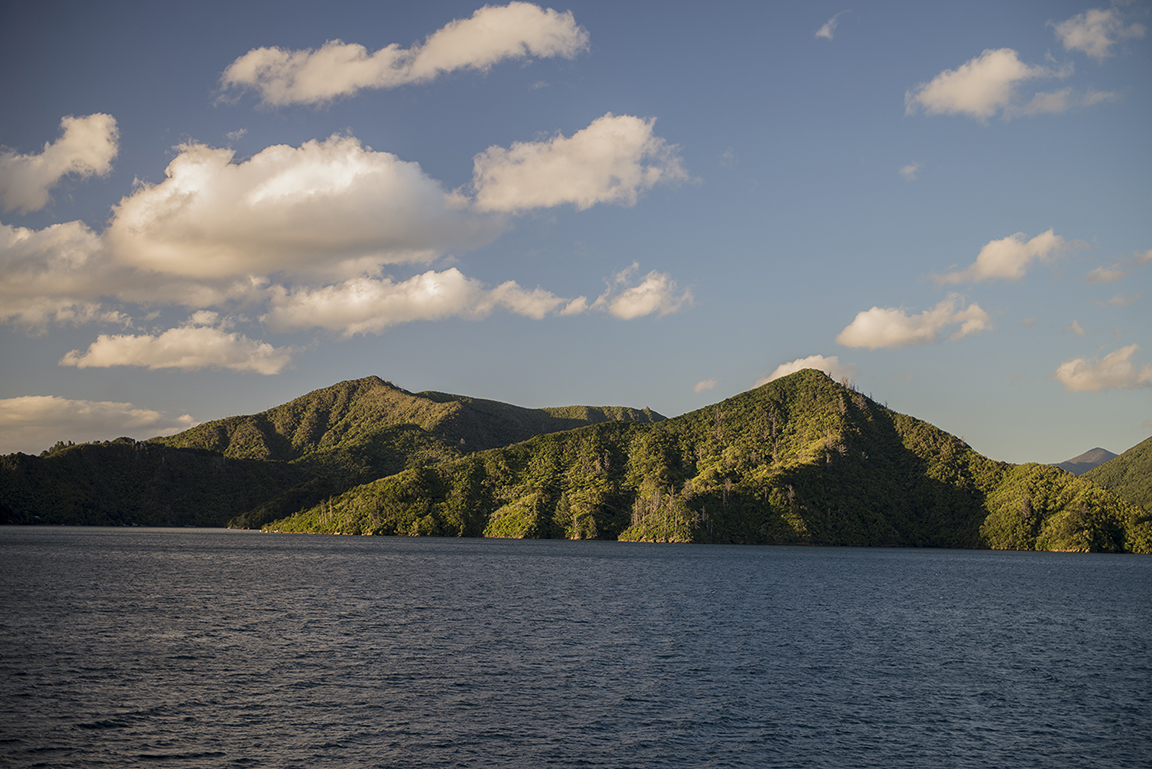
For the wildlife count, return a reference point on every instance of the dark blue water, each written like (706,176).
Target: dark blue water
(202,648)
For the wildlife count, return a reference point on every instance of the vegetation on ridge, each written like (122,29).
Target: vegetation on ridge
(295,455)
(799,460)
(1128,476)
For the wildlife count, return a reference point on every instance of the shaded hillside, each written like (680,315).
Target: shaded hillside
(1083,463)
(801,460)
(1128,476)
(125,482)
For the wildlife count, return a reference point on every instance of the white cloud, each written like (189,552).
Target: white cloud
(36,422)
(493,34)
(1007,259)
(1114,371)
(51,276)
(829,27)
(1106,274)
(1144,258)
(64,274)
(657,293)
(980,88)
(195,345)
(613,160)
(830,366)
(704,386)
(370,306)
(1096,31)
(328,207)
(909,171)
(891,327)
(86,147)
(1076,329)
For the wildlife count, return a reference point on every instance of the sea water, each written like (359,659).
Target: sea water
(205,648)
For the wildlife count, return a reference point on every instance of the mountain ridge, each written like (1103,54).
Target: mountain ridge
(801,460)
(1082,463)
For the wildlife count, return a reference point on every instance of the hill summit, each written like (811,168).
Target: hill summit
(1084,462)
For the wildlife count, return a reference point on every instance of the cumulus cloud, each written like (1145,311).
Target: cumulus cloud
(54,275)
(493,34)
(330,207)
(370,306)
(86,147)
(892,327)
(1114,371)
(656,293)
(1096,31)
(983,87)
(36,422)
(613,160)
(830,366)
(64,274)
(1007,259)
(704,386)
(203,342)
(829,27)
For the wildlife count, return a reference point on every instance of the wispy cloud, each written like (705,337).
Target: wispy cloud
(492,34)
(1096,31)
(1120,301)
(1076,329)
(613,160)
(829,28)
(1106,274)
(1114,371)
(704,386)
(1007,258)
(891,327)
(830,366)
(35,422)
(86,147)
(910,171)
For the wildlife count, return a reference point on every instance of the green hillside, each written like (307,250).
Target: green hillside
(801,460)
(125,482)
(1128,476)
(295,455)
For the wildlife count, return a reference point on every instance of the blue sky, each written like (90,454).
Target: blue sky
(209,210)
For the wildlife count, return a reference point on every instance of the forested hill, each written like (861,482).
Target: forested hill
(1128,476)
(800,460)
(354,413)
(258,468)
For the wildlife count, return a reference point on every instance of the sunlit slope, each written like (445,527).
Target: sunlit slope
(1128,476)
(370,417)
(801,460)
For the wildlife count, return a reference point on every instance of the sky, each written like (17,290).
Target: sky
(210,209)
